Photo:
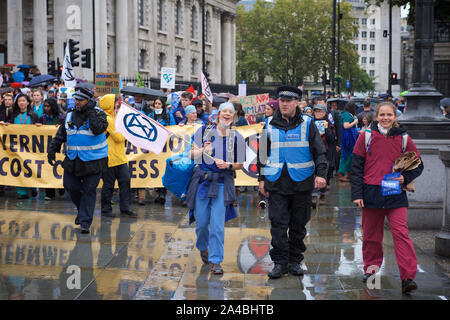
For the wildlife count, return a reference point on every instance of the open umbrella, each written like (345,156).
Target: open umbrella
(7,89)
(16,85)
(24,66)
(225,95)
(218,100)
(40,79)
(132,91)
(8,65)
(340,101)
(445,102)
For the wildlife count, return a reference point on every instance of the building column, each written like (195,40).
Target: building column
(122,37)
(15,32)
(216,76)
(133,38)
(226,48)
(101,36)
(40,46)
(233,50)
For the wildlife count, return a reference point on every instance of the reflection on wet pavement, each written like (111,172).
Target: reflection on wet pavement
(44,256)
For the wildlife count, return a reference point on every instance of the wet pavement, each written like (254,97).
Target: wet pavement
(44,256)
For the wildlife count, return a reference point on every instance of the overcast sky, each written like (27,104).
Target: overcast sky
(405,11)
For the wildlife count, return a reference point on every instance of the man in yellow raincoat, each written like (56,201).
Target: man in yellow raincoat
(117,163)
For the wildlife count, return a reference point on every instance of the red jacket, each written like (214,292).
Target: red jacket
(369,168)
(382,154)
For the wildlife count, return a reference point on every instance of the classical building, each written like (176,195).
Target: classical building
(373,46)
(130,35)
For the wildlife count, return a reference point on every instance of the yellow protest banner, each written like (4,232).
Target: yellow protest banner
(23,157)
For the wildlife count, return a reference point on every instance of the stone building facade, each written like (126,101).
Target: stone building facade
(131,36)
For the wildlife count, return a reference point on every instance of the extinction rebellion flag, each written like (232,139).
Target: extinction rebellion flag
(206,90)
(140,130)
(68,74)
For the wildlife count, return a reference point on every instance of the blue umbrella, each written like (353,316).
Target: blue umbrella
(40,79)
(23,66)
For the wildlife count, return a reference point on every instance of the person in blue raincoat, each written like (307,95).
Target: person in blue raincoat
(211,191)
(165,118)
(160,113)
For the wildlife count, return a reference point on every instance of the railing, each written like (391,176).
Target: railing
(181,85)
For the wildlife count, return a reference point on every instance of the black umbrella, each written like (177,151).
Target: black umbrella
(132,91)
(41,79)
(340,101)
(219,100)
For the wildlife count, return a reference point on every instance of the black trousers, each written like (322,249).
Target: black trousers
(120,173)
(82,191)
(289,215)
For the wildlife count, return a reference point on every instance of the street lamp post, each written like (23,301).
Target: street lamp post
(390,50)
(333,47)
(203,37)
(339,45)
(287,61)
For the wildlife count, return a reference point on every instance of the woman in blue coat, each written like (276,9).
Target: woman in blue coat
(160,113)
(211,191)
(165,118)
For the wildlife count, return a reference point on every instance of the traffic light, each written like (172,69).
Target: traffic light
(59,68)
(86,58)
(385,33)
(51,68)
(73,48)
(324,79)
(394,78)
(206,73)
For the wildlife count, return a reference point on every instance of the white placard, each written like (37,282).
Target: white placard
(168,78)
(242,90)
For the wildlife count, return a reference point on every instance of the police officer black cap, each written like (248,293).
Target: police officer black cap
(289,93)
(82,94)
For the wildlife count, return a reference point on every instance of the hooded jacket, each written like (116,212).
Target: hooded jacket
(371,163)
(116,141)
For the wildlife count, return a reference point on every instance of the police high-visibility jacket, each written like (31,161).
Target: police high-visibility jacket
(290,148)
(83,143)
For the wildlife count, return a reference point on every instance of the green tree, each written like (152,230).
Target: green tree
(291,38)
(362,82)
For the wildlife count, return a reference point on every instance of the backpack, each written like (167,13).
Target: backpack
(179,170)
(368,137)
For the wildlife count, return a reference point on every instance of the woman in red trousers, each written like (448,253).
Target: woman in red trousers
(373,157)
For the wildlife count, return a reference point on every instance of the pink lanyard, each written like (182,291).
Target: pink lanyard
(26,118)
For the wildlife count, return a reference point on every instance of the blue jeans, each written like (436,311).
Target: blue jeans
(82,191)
(209,215)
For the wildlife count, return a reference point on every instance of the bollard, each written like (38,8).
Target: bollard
(442,239)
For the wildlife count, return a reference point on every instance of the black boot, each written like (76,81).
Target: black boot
(295,269)
(278,271)
(408,285)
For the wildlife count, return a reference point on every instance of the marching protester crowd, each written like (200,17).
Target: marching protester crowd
(308,143)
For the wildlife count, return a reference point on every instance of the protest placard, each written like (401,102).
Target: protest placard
(168,78)
(253,105)
(107,83)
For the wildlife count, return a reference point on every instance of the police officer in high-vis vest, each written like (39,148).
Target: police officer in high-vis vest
(291,162)
(87,154)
